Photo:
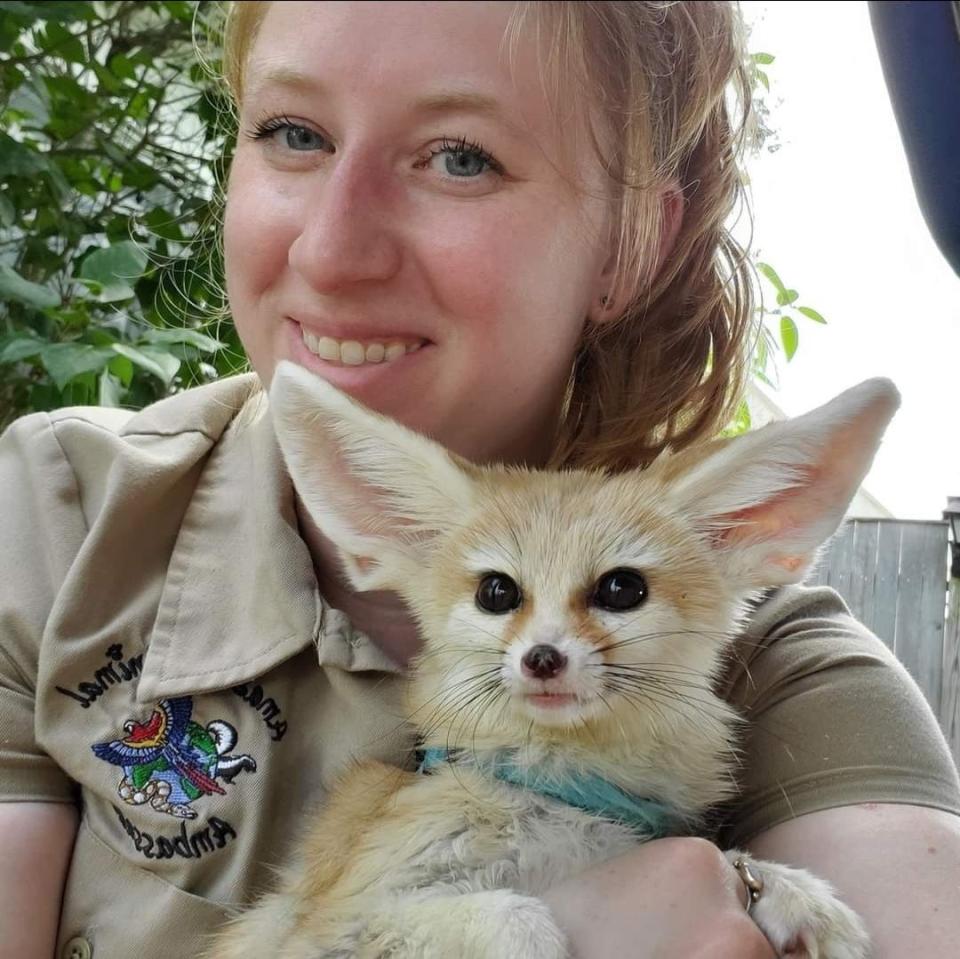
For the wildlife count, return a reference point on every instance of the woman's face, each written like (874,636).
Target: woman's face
(401,221)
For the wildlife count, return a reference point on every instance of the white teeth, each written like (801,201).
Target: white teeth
(327,349)
(354,353)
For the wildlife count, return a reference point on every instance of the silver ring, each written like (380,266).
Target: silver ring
(752,880)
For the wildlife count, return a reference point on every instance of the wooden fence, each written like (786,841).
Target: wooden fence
(894,576)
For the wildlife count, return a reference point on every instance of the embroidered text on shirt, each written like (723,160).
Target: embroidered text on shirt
(191,845)
(252,694)
(115,672)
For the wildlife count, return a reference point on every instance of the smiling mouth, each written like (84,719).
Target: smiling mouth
(356,352)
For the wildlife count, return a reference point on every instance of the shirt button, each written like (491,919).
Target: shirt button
(77,948)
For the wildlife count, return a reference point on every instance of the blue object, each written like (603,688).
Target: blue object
(919,48)
(647,817)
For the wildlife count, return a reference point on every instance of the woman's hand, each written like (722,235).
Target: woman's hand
(668,899)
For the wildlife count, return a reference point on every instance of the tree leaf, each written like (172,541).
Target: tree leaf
(786,297)
(120,66)
(14,287)
(811,314)
(122,368)
(116,268)
(206,344)
(64,361)
(763,58)
(18,160)
(160,364)
(20,348)
(789,336)
(110,389)
(771,274)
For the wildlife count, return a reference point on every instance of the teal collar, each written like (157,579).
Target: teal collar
(647,817)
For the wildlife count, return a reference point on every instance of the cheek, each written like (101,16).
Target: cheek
(259,226)
(519,272)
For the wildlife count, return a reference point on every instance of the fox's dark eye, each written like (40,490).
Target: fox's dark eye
(619,590)
(498,593)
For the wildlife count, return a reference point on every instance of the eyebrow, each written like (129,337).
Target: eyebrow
(433,103)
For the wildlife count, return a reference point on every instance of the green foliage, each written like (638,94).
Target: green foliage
(778,327)
(786,300)
(111,158)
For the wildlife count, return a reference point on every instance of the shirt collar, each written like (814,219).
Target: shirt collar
(240,594)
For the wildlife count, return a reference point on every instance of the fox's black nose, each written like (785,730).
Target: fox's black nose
(543,661)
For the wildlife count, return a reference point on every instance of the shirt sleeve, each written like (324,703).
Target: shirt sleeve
(831,719)
(41,528)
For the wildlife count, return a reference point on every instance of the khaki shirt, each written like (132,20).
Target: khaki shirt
(167,662)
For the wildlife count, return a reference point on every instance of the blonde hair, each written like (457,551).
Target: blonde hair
(669,370)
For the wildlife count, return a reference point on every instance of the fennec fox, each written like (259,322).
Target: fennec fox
(573,624)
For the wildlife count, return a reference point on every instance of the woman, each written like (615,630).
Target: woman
(502,225)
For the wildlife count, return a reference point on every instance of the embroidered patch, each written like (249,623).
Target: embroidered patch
(170,761)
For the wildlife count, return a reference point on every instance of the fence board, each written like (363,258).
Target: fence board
(887,581)
(834,567)
(893,576)
(863,576)
(921,601)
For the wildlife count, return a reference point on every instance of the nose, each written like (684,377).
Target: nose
(543,661)
(347,233)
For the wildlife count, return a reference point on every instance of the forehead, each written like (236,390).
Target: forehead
(400,58)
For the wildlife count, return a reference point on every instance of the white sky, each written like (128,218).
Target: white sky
(836,216)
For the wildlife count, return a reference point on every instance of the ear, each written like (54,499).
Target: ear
(379,491)
(617,296)
(768,500)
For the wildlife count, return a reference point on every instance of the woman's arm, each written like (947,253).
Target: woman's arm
(36,840)
(896,865)
(676,898)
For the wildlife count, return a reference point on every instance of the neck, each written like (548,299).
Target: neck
(580,788)
(380,615)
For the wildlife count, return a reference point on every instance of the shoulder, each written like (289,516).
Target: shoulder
(796,638)
(779,607)
(206,410)
(76,453)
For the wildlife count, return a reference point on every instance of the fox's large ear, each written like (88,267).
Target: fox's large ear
(379,491)
(769,499)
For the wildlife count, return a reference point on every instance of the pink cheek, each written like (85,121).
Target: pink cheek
(473,269)
(261,223)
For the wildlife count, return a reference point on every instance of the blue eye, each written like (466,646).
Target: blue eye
(464,164)
(300,138)
(296,136)
(464,160)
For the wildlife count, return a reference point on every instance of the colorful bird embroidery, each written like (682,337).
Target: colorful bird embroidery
(169,760)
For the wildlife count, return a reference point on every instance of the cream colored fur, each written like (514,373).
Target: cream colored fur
(451,864)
